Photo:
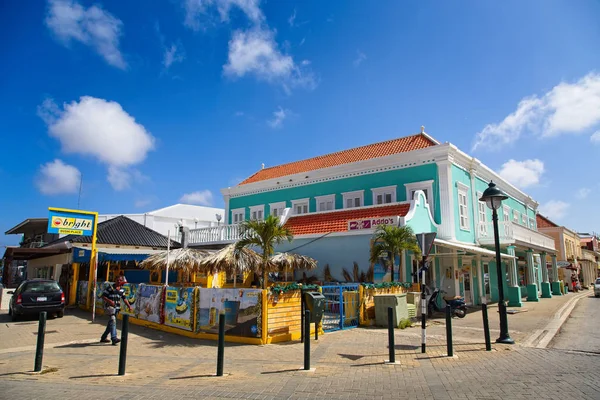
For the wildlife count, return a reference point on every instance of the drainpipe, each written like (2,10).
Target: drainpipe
(474,200)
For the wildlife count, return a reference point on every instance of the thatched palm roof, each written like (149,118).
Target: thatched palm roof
(232,260)
(293,261)
(187,260)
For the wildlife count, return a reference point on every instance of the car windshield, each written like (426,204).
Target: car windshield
(39,287)
(598,281)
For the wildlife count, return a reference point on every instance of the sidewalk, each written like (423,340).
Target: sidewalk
(349,364)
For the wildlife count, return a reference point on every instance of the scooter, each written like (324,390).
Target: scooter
(458,308)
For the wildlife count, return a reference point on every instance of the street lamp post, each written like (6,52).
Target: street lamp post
(493,197)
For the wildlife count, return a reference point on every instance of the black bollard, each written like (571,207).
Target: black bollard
(391,343)
(317,330)
(221,347)
(307,340)
(423,320)
(123,349)
(486,327)
(39,350)
(449,331)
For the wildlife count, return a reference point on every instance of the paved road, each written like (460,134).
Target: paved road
(581,332)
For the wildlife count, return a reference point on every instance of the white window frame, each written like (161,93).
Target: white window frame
(428,185)
(532,223)
(360,194)
(463,209)
(257,212)
(325,199)
(524,220)
(482,210)
(300,202)
(238,212)
(515,216)
(383,191)
(279,207)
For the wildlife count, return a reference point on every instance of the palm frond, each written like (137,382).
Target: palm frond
(293,261)
(356,272)
(327,277)
(346,274)
(370,274)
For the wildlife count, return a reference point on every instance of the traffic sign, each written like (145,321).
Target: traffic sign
(425,241)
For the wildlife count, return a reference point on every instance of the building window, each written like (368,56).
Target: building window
(353,199)
(426,187)
(523,219)
(277,209)
(300,206)
(481,207)
(515,216)
(532,223)
(384,195)
(463,206)
(238,215)
(257,213)
(325,203)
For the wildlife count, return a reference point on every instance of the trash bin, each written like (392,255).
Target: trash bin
(315,303)
(398,304)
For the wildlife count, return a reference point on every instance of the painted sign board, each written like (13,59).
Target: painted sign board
(70,223)
(371,223)
(563,264)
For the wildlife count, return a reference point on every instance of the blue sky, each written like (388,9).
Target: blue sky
(159,102)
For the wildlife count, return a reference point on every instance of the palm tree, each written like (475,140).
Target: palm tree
(392,240)
(264,234)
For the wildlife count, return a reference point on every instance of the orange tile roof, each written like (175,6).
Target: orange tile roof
(543,222)
(337,221)
(382,149)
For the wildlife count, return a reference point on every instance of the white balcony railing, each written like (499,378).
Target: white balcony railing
(511,233)
(215,234)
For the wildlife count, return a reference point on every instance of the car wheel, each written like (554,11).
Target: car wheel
(9,311)
(60,314)
(13,316)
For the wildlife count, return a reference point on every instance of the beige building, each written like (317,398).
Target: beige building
(569,251)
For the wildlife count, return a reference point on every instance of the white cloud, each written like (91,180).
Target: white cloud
(595,138)
(292,18)
(173,54)
(360,57)
(569,108)
(99,128)
(201,197)
(522,173)
(119,178)
(93,26)
(197,11)
(278,117)
(583,193)
(103,130)
(56,177)
(255,52)
(554,209)
(142,203)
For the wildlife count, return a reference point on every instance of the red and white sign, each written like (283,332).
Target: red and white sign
(371,223)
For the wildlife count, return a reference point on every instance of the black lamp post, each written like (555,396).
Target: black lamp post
(493,197)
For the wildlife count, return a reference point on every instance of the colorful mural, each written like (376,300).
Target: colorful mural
(180,307)
(242,308)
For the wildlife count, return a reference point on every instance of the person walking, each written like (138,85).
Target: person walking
(112,296)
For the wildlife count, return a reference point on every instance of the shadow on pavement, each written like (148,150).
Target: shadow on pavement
(80,345)
(196,376)
(14,373)
(367,364)
(406,347)
(93,376)
(280,371)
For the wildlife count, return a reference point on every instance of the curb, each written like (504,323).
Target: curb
(541,338)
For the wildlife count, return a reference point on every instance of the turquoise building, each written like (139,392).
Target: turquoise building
(334,202)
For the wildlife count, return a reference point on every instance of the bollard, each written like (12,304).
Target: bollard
(123,349)
(449,331)
(486,327)
(423,320)
(39,349)
(316,330)
(221,347)
(307,340)
(391,344)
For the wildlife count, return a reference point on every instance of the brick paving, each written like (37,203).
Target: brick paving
(348,364)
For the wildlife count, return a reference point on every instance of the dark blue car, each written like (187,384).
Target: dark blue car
(37,295)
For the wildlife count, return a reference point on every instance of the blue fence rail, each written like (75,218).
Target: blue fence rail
(341,307)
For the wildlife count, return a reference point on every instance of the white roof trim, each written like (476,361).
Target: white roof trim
(117,250)
(470,248)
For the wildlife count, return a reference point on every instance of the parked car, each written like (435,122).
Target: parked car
(37,295)
(597,288)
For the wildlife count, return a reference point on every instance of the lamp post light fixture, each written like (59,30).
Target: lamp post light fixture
(493,197)
(218,216)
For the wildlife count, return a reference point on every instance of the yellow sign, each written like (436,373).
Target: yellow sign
(171,296)
(70,231)
(66,223)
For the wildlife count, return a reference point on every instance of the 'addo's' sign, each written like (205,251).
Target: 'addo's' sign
(371,223)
